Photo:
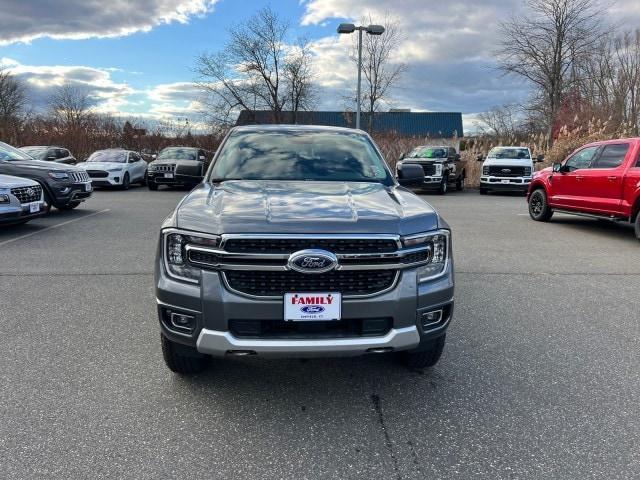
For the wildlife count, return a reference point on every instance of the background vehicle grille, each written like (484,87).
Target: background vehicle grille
(166,167)
(429,169)
(290,245)
(277,283)
(80,177)
(513,171)
(97,173)
(27,194)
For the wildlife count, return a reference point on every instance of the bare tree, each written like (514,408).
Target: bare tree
(12,104)
(256,69)
(298,75)
(546,44)
(70,104)
(501,121)
(380,72)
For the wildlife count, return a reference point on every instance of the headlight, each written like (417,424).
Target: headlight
(151,167)
(118,169)
(175,255)
(485,170)
(59,175)
(527,171)
(4,198)
(440,243)
(438,172)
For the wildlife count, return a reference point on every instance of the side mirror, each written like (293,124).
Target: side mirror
(402,155)
(154,156)
(202,158)
(51,158)
(410,174)
(479,158)
(457,157)
(540,158)
(557,167)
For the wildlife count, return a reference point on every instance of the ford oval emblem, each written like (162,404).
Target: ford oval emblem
(312,261)
(506,170)
(312,309)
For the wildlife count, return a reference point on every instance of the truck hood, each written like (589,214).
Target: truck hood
(101,165)
(508,162)
(304,207)
(9,181)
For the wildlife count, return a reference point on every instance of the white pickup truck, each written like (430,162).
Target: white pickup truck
(507,169)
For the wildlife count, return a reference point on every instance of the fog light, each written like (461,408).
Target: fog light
(116,179)
(429,319)
(182,322)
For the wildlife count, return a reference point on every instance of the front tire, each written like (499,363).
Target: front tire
(427,356)
(460,184)
(444,185)
(68,206)
(539,208)
(181,358)
(126,182)
(152,185)
(143,180)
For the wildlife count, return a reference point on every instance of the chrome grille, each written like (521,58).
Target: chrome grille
(80,177)
(27,194)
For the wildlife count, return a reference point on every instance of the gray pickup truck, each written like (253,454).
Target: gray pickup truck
(300,242)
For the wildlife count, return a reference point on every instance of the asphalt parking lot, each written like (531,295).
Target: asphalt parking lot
(540,377)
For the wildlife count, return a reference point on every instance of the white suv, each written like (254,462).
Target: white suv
(115,168)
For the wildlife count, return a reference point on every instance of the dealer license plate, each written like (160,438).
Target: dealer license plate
(87,187)
(34,207)
(309,307)
(506,181)
(168,175)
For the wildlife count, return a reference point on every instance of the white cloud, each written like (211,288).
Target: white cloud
(448,47)
(23,21)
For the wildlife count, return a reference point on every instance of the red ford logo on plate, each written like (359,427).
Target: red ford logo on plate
(312,261)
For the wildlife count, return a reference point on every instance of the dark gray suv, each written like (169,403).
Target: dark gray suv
(300,242)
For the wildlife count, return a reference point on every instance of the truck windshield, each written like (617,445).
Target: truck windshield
(305,155)
(428,152)
(175,153)
(510,153)
(8,153)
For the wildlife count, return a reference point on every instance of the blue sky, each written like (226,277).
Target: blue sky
(138,57)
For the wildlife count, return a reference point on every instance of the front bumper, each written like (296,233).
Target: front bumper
(432,182)
(511,184)
(15,212)
(66,192)
(174,179)
(213,306)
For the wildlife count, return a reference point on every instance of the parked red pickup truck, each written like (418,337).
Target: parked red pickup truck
(601,180)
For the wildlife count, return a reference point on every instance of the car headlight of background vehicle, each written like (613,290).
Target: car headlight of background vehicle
(118,169)
(59,175)
(4,198)
(440,243)
(175,255)
(485,170)
(151,167)
(527,171)
(438,171)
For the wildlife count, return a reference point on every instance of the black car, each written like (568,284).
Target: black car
(183,166)
(65,186)
(442,167)
(50,154)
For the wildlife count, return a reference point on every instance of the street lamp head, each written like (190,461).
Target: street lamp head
(346,28)
(375,29)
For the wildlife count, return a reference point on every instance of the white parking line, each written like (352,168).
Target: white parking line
(22,237)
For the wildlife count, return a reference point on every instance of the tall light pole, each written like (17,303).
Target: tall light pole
(371,30)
